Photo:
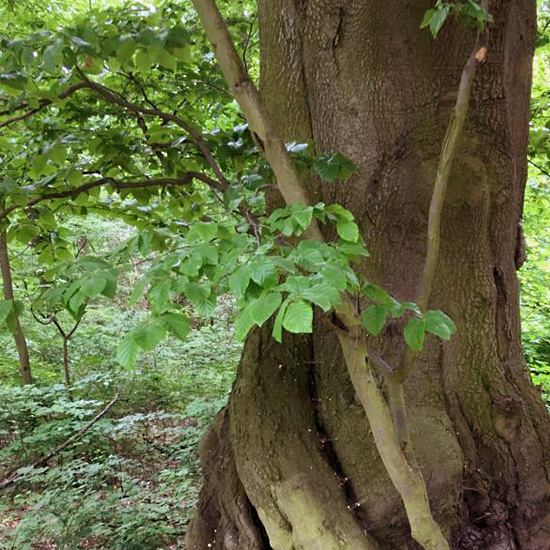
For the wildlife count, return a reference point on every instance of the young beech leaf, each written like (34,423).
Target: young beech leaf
(339,212)
(177,324)
(159,294)
(263,272)
(438,18)
(127,352)
(298,317)
(138,291)
(278,324)
(414,333)
(322,295)
(439,324)
(333,167)
(147,336)
(243,324)
(374,318)
(261,309)
(349,231)
(239,281)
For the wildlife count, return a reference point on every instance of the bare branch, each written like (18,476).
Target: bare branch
(539,168)
(448,152)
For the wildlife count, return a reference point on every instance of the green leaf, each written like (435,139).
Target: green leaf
(439,324)
(349,231)
(261,309)
(147,336)
(243,325)
(323,295)
(5,309)
(339,212)
(435,18)
(263,272)
(239,281)
(201,296)
(126,49)
(201,231)
(427,18)
(159,294)
(208,254)
(379,295)
(143,61)
(177,324)
(303,215)
(334,276)
(127,352)
(278,324)
(333,167)
(414,333)
(137,292)
(109,291)
(298,317)
(374,318)
(93,286)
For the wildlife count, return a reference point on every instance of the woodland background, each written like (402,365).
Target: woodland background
(131,481)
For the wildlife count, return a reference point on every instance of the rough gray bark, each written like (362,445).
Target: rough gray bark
(361,78)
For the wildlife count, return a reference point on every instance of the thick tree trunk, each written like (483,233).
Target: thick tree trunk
(292,463)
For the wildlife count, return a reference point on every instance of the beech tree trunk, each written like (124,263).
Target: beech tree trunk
(291,464)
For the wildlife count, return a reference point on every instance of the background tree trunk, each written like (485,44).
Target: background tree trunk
(18,335)
(361,78)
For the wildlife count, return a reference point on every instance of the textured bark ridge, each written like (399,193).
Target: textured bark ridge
(291,465)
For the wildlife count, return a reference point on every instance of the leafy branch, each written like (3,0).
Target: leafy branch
(116,184)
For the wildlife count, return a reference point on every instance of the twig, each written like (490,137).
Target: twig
(44,460)
(542,170)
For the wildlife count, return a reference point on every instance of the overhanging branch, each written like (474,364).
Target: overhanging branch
(42,104)
(118,185)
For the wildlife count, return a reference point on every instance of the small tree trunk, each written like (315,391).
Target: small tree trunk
(20,342)
(66,368)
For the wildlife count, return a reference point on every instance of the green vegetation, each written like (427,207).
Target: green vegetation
(128,227)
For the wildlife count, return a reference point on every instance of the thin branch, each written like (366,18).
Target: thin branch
(112,97)
(44,460)
(448,152)
(540,168)
(118,185)
(42,104)
(247,43)
(246,94)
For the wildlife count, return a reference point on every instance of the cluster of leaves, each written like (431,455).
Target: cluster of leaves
(471,13)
